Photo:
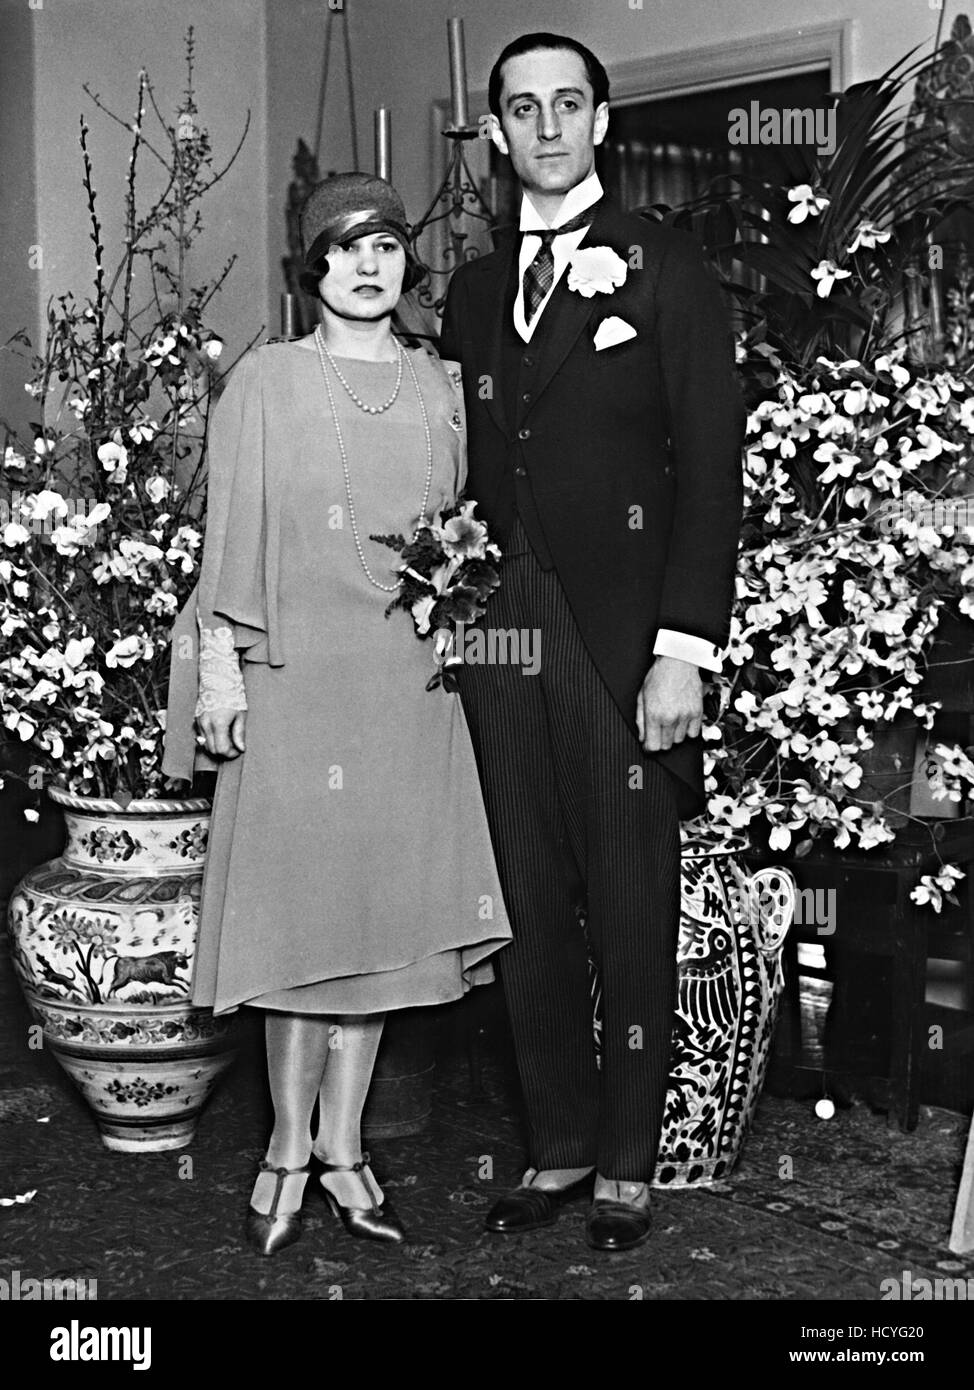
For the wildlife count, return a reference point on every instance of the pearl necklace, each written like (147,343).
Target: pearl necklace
(386,588)
(369,409)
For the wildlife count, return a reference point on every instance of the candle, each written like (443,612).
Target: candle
(458,72)
(383,143)
(935,318)
(288,316)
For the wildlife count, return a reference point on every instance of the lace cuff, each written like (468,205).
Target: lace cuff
(221,680)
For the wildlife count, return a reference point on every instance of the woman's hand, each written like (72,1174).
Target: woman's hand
(223,732)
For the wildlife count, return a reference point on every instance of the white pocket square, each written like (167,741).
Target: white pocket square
(611,331)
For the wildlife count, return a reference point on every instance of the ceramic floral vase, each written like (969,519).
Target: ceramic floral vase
(103,942)
(732,928)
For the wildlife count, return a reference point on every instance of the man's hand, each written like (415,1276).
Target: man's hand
(224,732)
(669,707)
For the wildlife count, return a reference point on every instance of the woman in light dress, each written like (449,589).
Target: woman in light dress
(349,869)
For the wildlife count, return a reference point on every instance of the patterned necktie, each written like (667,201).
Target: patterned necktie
(540,274)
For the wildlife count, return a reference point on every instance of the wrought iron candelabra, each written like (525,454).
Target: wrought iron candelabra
(457,201)
(453,217)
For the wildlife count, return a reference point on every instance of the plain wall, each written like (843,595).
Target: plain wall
(20,297)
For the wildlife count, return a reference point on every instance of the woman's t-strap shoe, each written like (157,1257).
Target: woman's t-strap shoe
(268,1232)
(374,1222)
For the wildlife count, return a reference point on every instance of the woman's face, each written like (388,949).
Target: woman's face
(364,279)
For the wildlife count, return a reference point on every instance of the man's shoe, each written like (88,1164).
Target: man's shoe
(613,1225)
(528,1208)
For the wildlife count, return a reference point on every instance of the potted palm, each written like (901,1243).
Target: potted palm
(98,550)
(852,556)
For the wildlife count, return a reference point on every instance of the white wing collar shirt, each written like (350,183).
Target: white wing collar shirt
(682,645)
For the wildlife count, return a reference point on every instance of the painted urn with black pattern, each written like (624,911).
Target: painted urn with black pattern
(733,925)
(103,943)
(729,980)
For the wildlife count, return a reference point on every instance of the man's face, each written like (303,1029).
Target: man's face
(549,125)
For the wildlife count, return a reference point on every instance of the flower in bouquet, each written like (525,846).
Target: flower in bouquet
(448,572)
(463,537)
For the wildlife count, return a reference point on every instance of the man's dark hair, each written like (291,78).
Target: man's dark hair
(531,43)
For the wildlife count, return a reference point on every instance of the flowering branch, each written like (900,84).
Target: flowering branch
(102,539)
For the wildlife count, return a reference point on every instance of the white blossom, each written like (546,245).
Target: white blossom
(41,505)
(807,202)
(157,488)
(867,235)
(113,457)
(826,273)
(128,650)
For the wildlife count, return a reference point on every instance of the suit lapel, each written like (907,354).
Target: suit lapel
(565,316)
(567,312)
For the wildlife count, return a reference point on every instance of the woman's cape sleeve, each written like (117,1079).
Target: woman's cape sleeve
(232,588)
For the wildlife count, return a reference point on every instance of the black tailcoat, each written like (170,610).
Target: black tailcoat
(628,457)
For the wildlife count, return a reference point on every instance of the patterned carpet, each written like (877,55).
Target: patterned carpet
(817,1210)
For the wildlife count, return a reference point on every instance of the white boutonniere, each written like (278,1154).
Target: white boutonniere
(596,270)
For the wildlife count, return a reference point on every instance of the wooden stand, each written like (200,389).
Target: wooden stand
(876,917)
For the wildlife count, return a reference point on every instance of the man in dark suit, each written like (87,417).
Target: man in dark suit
(605,427)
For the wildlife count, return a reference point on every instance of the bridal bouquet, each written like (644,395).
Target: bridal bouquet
(448,573)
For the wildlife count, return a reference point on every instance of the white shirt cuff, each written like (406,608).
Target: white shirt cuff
(685,647)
